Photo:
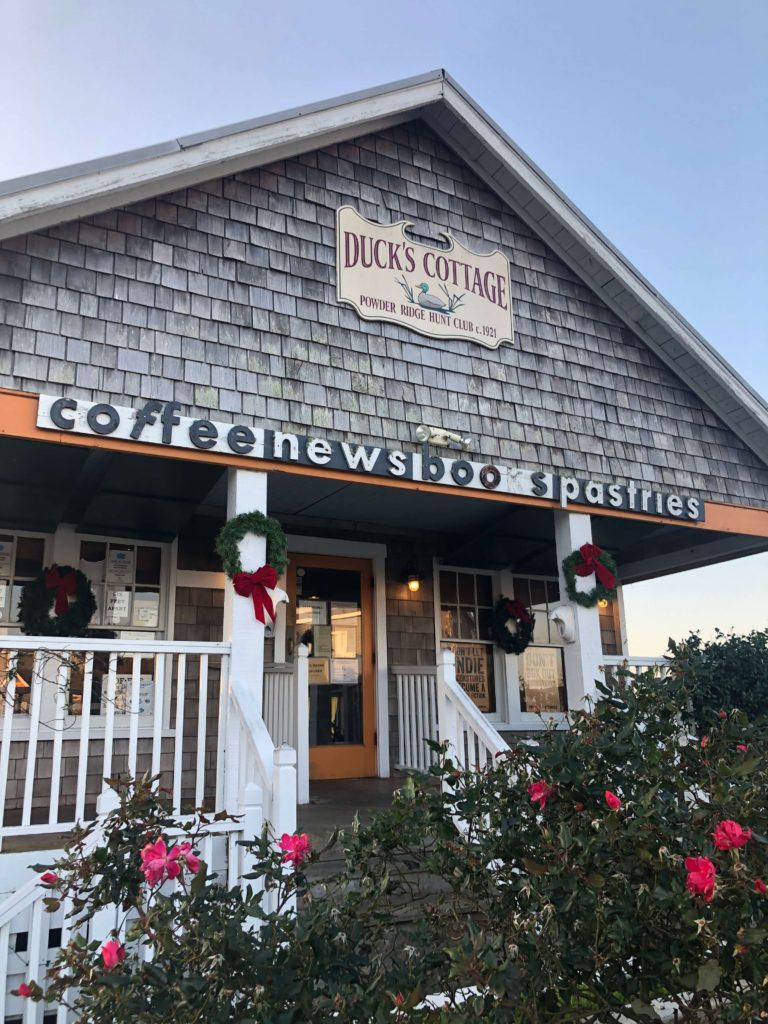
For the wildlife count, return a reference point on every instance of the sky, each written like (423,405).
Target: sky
(651,116)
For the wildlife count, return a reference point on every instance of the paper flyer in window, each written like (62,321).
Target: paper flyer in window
(120,566)
(6,550)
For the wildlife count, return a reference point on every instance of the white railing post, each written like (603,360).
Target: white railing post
(583,657)
(252,811)
(301,731)
(446,710)
(283,810)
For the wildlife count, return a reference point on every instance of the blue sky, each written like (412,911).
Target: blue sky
(650,115)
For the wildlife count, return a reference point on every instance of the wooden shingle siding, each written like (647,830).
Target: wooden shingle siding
(222,297)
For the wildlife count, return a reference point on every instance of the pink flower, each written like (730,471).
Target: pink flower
(184,852)
(113,953)
(742,748)
(295,848)
(701,877)
(399,999)
(24,990)
(540,792)
(159,863)
(722,714)
(612,800)
(729,835)
(704,742)
(578,807)
(760,886)
(49,878)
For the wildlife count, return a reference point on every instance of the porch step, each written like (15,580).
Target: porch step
(25,843)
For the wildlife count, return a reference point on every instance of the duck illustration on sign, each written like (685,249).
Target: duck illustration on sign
(441,291)
(428,300)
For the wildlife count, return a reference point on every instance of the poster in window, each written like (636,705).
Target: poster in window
(123,689)
(542,681)
(322,642)
(146,609)
(3,599)
(120,566)
(6,550)
(118,610)
(473,673)
(318,670)
(345,671)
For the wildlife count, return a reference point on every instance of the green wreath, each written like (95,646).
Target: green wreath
(230,535)
(517,641)
(587,560)
(63,588)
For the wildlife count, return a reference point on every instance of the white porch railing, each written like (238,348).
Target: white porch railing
(286,712)
(433,706)
(76,711)
(30,937)
(613,663)
(417,715)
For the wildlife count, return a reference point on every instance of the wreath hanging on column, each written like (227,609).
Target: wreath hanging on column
(64,590)
(589,560)
(512,627)
(254,584)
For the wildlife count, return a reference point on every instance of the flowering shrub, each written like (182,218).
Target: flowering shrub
(581,878)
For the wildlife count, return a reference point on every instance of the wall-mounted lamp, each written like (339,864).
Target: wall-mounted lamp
(603,602)
(412,578)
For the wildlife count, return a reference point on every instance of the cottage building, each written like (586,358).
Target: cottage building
(377,321)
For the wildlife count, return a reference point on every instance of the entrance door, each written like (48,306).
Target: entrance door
(331,605)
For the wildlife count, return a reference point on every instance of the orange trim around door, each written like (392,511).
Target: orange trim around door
(346,760)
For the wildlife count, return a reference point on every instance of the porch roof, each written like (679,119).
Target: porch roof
(154,498)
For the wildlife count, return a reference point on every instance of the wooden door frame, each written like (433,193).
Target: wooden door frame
(376,554)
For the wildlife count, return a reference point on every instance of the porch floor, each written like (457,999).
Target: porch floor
(334,803)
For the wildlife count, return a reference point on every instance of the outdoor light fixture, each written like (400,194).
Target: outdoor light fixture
(412,578)
(603,602)
(441,437)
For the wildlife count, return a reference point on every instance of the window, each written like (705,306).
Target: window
(126,581)
(540,667)
(466,614)
(21,560)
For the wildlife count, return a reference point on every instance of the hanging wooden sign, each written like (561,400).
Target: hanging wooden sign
(448,292)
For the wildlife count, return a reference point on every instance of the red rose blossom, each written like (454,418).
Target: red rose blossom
(49,878)
(578,807)
(701,877)
(295,848)
(722,714)
(612,800)
(704,742)
(540,792)
(113,953)
(742,748)
(24,990)
(729,835)
(760,886)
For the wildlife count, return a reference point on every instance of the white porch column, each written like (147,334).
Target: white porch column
(584,656)
(246,492)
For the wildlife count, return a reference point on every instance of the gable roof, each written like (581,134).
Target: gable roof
(42,200)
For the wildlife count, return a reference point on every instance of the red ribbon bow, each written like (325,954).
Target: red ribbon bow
(255,585)
(517,610)
(590,554)
(65,585)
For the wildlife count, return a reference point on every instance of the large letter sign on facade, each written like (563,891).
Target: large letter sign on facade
(442,293)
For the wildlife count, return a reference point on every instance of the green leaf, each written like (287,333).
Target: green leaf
(643,1009)
(709,976)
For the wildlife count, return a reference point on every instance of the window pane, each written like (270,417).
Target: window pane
(484,591)
(449,622)
(466,588)
(93,554)
(474,673)
(5,592)
(118,610)
(120,563)
(148,566)
(521,591)
(146,609)
(484,622)
(539,607)
(29,556)
(15,598)
(468,623)
(553,592)
(448,587)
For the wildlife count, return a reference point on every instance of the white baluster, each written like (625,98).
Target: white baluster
(134,716)
(178,741)
(36,697)
(85,729)
(301,729)
(62,683)
(109,726)
(159,710)
(8,712)
(202,724)
(34,953)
